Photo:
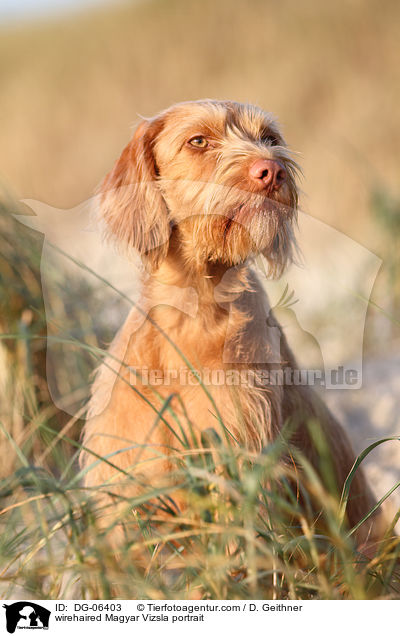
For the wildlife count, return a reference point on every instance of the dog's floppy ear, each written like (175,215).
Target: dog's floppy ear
(131,205)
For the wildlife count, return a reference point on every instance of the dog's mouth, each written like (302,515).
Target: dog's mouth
(255,224)
(227,227)
(237,197)
(262,206)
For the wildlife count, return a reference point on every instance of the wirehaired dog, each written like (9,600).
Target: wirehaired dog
(199,191)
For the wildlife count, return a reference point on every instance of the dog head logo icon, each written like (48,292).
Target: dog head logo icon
(26,615)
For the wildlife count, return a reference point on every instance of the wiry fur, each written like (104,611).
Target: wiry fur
(197,219)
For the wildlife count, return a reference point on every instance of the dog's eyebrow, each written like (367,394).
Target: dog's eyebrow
(252,122)
(201,129)
(206,128)
(270,131)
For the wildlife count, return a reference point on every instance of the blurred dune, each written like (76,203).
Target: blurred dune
(72,88)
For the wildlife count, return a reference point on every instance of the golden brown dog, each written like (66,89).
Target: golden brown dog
(201,189)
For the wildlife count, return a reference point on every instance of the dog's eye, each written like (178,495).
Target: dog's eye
(198,142)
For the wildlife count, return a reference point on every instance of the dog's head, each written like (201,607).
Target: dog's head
(216,175)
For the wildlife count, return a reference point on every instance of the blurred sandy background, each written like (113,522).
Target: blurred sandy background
(70,90)
(73,85)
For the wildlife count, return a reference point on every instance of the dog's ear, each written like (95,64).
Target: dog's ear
(131,205)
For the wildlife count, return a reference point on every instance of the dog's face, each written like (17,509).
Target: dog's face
(217,175)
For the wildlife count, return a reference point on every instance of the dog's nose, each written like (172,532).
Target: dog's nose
(268,174)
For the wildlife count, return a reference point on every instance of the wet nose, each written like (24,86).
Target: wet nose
(268,174)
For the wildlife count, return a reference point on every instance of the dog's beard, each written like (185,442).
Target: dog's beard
(245,232)
(229,224)
(260,226)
